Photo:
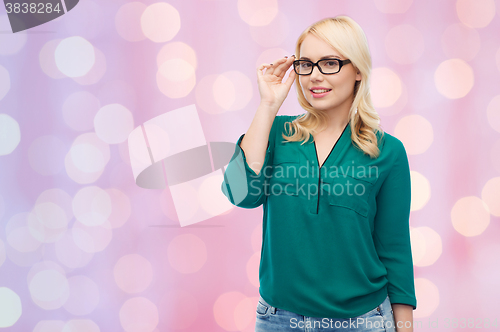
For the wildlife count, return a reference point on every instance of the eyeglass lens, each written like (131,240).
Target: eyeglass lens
(329,66)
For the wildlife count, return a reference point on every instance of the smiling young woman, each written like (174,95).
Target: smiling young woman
(336,245)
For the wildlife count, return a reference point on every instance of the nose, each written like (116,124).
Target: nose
(316,74)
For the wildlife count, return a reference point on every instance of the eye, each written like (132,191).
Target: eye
(305,64)
(331,63)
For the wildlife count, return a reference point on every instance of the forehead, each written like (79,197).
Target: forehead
(314,48)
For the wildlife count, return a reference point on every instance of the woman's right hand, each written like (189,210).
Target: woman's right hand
(273,91)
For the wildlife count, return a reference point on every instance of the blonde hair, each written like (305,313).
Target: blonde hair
(347,37)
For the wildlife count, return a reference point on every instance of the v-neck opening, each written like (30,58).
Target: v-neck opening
(331,150)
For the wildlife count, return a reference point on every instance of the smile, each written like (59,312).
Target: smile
(318,93)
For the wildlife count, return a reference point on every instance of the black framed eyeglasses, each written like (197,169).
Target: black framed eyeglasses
(325,66)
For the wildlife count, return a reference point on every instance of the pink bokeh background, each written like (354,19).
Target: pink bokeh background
(84,248)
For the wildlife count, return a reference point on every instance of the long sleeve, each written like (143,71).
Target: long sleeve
(392,231)
(241,185)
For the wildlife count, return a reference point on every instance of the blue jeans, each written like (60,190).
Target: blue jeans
(269,318)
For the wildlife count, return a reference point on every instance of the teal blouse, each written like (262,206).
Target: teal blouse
(335,239)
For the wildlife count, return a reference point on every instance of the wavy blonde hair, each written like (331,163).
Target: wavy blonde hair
(347,37)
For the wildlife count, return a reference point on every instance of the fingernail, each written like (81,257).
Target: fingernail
(271,64)
(293,55)
(286,56)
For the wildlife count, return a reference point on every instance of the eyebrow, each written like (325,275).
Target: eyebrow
(323,57)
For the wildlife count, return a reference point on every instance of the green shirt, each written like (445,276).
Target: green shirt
(335,252)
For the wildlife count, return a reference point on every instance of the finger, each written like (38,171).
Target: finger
(281,70)
(290,79)
(261,68)
(276,64)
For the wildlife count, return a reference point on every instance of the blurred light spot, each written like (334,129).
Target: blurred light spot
(74,56)
(133,273)
(18,234)
(11,43)
(475,13)
(454,78)
(176,83)
(460,41)
(253,269)
(495,155)
(139,314)
(59,197)
(121,209)
(175,301)
(420,191)
(79,110)
(69,254)
(386,87)
(47,59)
(81,325)
(427,294)
(49,289)
(84,296)
(415,132)
(92,239)
(187,253)
(393,6)
(113,123)
(46,155)
(176,70)
(117,92)
(87,158)
(89,21)
(47,222)
(232,90)
(92,206)
(79,176)
(24,258)
(493,112)
(160,22)
(177,50)
(271,55)
(491,195)
(49,326)
(4,82)
(10,134)
(470,216)
(96,72)
(427,244)
(211,198)
(205,98)
(404,44)
(257,12)
(10,307)
(244,313)
(128,21)
(273,34)
(224,310)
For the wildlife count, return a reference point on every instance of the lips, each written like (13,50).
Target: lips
(318,92)
(319,89)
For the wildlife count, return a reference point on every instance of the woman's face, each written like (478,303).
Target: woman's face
(340,85)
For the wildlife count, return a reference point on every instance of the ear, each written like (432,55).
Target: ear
(358,75)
